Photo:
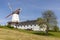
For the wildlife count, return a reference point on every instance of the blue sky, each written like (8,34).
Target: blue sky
(30,9)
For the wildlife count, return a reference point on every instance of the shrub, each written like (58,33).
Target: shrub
(56,29)
(9,26)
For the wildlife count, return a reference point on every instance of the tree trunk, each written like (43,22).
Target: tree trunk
(47,28)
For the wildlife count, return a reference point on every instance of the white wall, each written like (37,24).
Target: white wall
(33,27)
(15,18)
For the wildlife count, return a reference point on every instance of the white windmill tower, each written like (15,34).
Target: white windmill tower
(15,17)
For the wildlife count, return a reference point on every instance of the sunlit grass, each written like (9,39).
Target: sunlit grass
(16,34)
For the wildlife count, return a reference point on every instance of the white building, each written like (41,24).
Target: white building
(29,25)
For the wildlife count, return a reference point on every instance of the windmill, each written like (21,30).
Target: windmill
(15,15)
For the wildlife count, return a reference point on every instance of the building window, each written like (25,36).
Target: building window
(21,25)
(27,25)
(35,25)
(24,25)
(18,25)
(31,25)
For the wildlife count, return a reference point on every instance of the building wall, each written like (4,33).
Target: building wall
(32,27)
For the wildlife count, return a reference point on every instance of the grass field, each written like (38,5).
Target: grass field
(14,34)
(55,34)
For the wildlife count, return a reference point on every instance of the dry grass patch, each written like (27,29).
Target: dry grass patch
(8,34)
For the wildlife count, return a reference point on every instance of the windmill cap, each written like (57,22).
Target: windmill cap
(19,9)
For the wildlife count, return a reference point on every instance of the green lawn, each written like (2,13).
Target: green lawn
(56,34)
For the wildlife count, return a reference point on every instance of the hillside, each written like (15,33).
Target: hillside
(8,34)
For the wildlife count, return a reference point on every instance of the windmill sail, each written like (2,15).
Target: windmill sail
(15,12)
(8,15)
(9,5)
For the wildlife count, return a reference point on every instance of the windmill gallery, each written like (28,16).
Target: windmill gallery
(31,25)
